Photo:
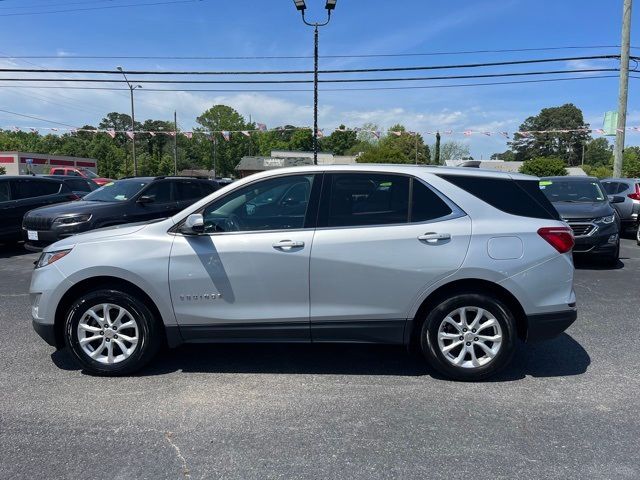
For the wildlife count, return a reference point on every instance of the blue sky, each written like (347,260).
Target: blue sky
(254,28)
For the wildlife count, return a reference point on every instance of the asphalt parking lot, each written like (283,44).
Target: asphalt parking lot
(567,408)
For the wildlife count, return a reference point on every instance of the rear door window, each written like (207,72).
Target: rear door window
(357,199)
(30,188)
(613,187)
(58,171)
(426,204)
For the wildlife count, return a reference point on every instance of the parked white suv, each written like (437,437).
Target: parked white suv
(459,263)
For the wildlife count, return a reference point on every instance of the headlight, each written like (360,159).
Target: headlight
(47,258)
(605,220)
(72,220)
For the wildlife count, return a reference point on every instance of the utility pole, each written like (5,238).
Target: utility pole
(416,135)
(175,143)
(133,122)
(624,88)
(436,158)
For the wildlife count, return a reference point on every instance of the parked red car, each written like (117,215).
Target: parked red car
(79,172)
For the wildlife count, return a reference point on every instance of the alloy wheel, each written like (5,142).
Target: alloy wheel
(469,337)
(108,333)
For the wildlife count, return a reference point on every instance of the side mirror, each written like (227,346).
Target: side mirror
(616,199)
(146,199)
(193,225)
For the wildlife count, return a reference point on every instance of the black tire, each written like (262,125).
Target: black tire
(148,332)
(431,325)
(638,235)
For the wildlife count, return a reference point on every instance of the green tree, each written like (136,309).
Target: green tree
(598,152)
(454,150)
(631,162)
(227,152)
(383,154)
(599,171)
(339,142)
(567,146)
(3,171)
(506,156)
(410,144)
(544,167)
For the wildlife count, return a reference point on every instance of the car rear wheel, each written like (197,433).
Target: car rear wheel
(110,332)
(638,235)
(468,337)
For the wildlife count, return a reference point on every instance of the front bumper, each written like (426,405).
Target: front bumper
(603,240)
(47,237)
(544,326)
(46,332)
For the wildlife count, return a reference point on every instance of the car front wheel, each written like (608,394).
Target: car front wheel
(111,332)
(469,336)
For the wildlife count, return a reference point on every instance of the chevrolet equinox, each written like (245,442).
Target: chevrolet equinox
(456,263)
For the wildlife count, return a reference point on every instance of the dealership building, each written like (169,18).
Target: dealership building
(23,163)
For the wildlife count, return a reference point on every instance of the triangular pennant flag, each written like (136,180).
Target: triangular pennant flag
(245,133)
(395,132)
(467,133)
(488,134)
(16,129)
(171,134)
(54,129)
(320,133)
(131,135)
(261,126)
(189,135)
(226,135)
(112,133)
(447,132)
(505,134)
(376,133)
(34,130)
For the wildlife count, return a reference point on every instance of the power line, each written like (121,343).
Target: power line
(295,81)
(297,57)
(405,87)
(50,5)
(99,8)
(36,118)
(297,72)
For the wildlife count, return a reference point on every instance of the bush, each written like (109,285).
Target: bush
(600,171)
(3,171)
(544,167)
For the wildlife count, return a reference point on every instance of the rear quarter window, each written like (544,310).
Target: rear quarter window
(516,197)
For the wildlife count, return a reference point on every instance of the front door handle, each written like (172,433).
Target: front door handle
(287,245)
(433,237)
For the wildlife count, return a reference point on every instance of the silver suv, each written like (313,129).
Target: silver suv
(457,263)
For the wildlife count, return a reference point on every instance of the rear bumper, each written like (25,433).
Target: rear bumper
(544,326)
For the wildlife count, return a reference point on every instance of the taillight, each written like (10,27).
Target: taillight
(636,194)
(560,238)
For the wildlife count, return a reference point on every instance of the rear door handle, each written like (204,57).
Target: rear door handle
(433,237)
(288,245)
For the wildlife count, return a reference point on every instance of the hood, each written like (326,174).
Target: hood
(98,234)
(583,210)
(69,208)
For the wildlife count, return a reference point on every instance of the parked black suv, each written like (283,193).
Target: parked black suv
(19,194)
(122,201)
(583,203)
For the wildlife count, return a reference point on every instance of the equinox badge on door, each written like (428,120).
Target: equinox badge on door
(206,296)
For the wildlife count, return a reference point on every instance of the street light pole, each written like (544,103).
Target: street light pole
(133,123)
(329,6)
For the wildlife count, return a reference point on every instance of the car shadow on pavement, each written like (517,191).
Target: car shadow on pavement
(562,356)
(9,250)
(595,264)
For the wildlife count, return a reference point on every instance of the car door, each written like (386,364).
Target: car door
(8,212)
(381,240)
(247,277)
(154,201)
(187,192)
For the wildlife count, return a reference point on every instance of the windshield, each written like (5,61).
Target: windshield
(119,191)
(88,173)
(586,191)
